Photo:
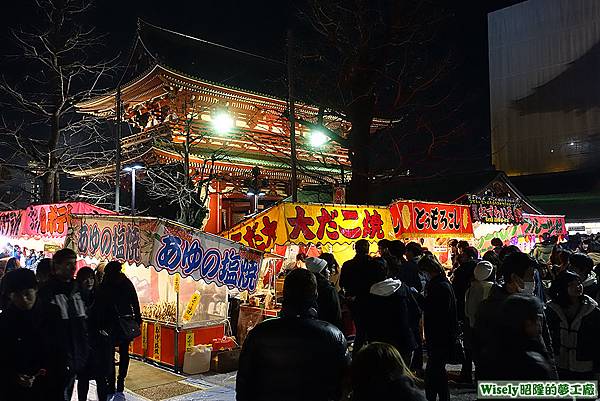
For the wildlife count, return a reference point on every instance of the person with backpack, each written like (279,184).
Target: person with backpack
(118,314)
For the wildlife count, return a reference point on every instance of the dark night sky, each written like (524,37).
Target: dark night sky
(260,27)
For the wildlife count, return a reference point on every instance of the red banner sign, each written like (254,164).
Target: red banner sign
(421,219)
(44,220)
(543,225)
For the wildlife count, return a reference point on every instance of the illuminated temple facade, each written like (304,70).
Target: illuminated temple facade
(168,97)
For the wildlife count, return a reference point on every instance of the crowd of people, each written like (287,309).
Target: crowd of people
(503,315)
(58,327)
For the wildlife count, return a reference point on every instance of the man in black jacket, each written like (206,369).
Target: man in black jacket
(22,347)
(518,272)
(296,356)
(66,322)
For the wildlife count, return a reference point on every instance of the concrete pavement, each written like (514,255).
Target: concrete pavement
(146,382)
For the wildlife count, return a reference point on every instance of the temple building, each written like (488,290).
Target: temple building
(232,107)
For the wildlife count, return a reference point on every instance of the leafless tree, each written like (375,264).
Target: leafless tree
(368,59)
(61,64)
(178,183)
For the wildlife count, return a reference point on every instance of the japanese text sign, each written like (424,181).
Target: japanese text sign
(44,220)
(422,219)
(295,223)
(167,246)
(488,209)
(10,223)
(543,225)
(54,220)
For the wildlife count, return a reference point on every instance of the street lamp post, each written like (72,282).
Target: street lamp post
(133,170)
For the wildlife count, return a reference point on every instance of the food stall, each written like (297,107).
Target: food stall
(288,229)
(42,228)
(504,218)
(182,277)
(431,224)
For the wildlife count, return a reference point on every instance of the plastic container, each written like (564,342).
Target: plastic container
(197,360)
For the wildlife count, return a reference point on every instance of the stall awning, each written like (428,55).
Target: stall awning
(413,219)
(44,221)
(304,224)
(166,245)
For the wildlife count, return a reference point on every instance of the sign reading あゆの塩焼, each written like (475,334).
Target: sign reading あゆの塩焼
(167,246)
(412,219)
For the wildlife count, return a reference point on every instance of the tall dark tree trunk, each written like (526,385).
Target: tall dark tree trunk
(50,183)
(360,114)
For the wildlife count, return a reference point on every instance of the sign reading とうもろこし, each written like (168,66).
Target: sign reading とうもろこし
(412,219)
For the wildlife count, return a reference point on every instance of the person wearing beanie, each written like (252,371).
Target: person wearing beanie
(23,350)
(328,301)
(521,352)
(294,357)
(574,322)
(478,290)
(476,293)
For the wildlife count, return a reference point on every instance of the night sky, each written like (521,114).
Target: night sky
(260,27)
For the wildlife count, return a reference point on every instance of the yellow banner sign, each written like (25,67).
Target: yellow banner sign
(191,307)
(298,223)
(176,282)
(189,340)
(157,340)
(144,337)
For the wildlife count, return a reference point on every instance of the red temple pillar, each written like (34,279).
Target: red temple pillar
(215,205)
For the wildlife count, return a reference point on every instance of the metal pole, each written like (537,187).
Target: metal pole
(118,147)
(292,115)
(133,171)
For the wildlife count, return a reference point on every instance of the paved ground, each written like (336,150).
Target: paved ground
(149,383)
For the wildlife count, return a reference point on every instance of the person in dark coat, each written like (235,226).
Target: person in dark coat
(518,272)
(393,264)
(522,356)
(328,301)
(293,357)
(66,325)
(101,355)
(393,315)
(43,271)
(409,272)
(441,327)
(583,265)
(354,283)
(23,349)
(379,373)
(354,271)
(461,281)
(574,323)
(117,297)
